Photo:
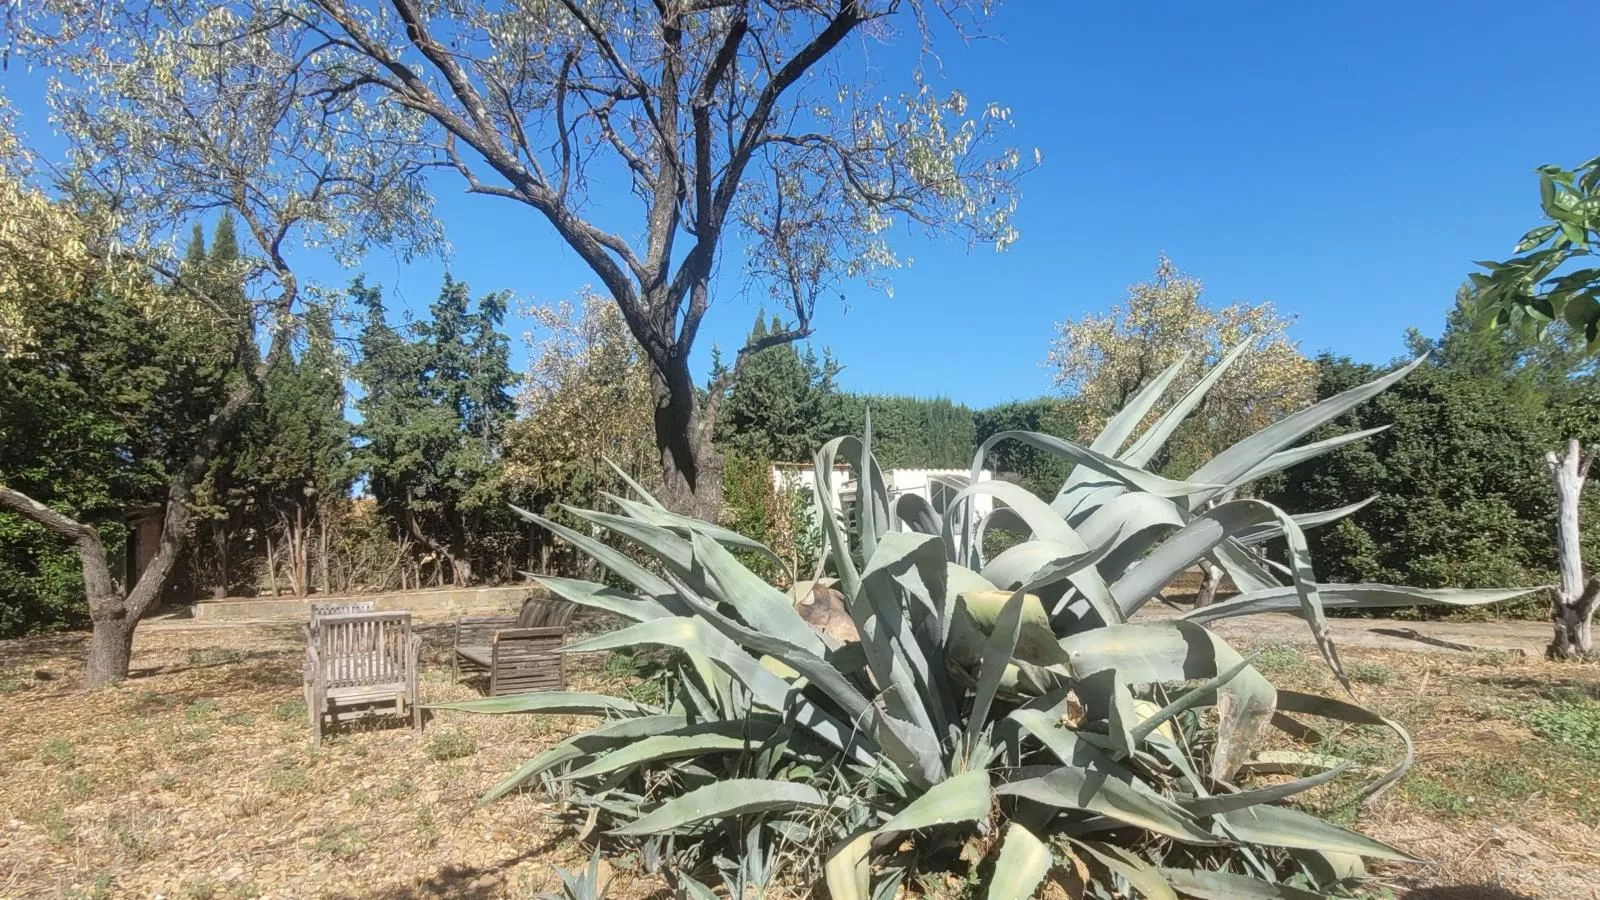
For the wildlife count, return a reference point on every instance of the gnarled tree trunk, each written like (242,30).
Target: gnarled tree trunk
(691,470)
(1573,605)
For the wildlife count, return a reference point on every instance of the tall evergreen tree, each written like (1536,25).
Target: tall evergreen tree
(784,404)
(435,405)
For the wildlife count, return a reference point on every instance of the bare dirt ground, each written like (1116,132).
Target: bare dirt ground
(196,779)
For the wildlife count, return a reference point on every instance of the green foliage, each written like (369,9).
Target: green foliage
(913,432)
(1575,724)
(112,389)
(435,403)
(450,745)
(783,405)
(955,709)
(1537,288)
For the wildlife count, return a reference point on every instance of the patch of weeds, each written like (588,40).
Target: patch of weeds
(1435,796)
(148,702)
(98,889)
(647,692)
(427,829)
(397,790)
(55,825)
(363,798)
(622,664)
(1369,673)
(12,682)
(1279,658)
(244,890)
(202,710)
(216,656)
(1575,725)
(289,781)
(243,720)
(58,752)
(76,785)
(338,841)
(451,745)
(291,710)
(199,890)
(139,838)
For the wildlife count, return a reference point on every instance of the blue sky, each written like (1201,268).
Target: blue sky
(1347,161)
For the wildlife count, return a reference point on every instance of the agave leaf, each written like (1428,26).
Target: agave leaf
(1182,651)
(697,635)
(848,872)
(872,495)
(1041,520)
(724,799)
(1329,708)
(1106,697)
(1024,862)
(996,656)
(667,519)
(832,538)
(1306,521)
(763,606)
(1228,886)
(563,702)
(1069,787)
(1119,471)
(646,581)
(1142,876)
(977,615)
(1350,596)
(1190,699)
(1150,443)
(1280,826)
(959,798)
(1180,551)
(1064,744)
(1223,803)
(1284,459)
(581,745)
(917,513)
(1122,425)
(634,485)
(664,746)
(1248,571)
(1226,467)
(598,596)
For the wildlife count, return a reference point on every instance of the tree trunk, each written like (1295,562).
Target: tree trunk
(691,469)
(220,538)
(272,564)
(110,650)
(1211,577)
(1574,601)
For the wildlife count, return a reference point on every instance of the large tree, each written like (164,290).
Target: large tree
(436,399)
(1101,359)
(759,125)
(180,109)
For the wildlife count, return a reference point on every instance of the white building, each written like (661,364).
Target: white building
(937,486)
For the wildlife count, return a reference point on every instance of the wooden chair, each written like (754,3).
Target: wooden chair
(520,653)
(359,665)
(344,608)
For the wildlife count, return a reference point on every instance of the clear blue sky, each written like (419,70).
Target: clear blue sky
(1347,161)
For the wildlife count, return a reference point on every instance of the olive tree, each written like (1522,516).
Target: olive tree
(755,124)
(180,109)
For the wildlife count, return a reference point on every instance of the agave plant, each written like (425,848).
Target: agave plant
(1017,697)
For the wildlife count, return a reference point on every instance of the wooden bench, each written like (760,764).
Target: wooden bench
(345,608)
(359,665)
(520,653)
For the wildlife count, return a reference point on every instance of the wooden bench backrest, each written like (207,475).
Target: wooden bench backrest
(528,659)
(364,648)
(545,612)
(478,631)
(345,608)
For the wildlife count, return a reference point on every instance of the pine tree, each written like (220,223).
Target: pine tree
(783,406)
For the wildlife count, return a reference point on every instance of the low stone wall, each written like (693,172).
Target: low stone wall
(435,602)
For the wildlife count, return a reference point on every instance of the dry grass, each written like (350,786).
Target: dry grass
(196,779)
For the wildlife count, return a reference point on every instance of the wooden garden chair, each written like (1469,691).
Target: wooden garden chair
(520,653)
(359,665)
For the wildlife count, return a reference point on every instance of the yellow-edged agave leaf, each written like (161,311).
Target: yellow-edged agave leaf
(1024,862)
(724,799)
(848,872)
(959,798)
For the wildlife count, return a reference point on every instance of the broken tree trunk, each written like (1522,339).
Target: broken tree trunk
(1573,607)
